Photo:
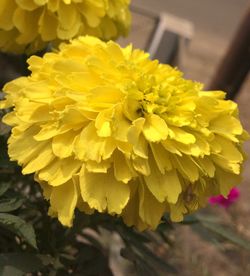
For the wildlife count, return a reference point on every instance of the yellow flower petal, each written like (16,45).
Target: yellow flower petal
(177,211)
(63,201)
(62,144)
(155,129)
(122,170)
(106,129)
(59,172)
(102,192)
(39,161)
(150,210)
(165,187)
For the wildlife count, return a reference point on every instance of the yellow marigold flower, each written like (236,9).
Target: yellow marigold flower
(105,128)
(29,25)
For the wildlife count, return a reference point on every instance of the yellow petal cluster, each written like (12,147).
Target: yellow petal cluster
(105,128)
(29,25)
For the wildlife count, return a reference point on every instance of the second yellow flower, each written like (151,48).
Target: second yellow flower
(29,25)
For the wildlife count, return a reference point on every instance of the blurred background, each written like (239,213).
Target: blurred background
(213,26)
(200,34)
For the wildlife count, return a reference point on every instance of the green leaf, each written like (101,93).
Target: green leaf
(92,240)
(156,261)
(143,252)
(19,227)
(4,186)
(227,234)
(211,224)
(10,204)
(10,270)
(142,267)
(190,219)
(18,264)
(205,234)
(145,270)
(133,235)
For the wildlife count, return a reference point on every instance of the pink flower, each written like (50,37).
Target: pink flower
(225,201)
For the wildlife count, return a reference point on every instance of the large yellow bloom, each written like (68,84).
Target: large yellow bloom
(107,129)
(29,25)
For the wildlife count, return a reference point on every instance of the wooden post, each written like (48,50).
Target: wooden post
(235,65)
